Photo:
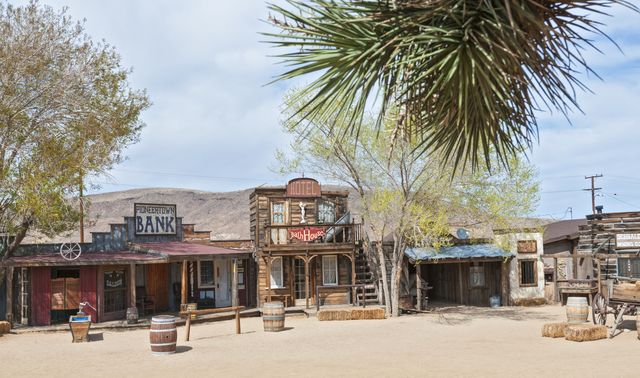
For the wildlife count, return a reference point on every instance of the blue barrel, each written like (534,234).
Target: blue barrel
(494,301)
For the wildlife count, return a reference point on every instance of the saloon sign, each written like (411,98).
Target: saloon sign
(152,219)
(306,234)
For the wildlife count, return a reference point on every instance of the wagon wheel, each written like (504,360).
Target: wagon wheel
(599,309)
(70,251)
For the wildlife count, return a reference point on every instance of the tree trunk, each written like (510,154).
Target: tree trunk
(384,277)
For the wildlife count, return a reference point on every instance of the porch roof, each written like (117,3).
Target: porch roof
(87,258)
(457,252)
(176,251)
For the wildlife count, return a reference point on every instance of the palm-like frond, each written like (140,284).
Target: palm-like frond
(468,73)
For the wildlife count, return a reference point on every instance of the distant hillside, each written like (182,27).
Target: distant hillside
(225,214)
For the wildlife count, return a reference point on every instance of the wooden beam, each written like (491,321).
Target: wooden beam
(504,284)
(353,279)
(268,278)
(555,280)
(9,313)
(234,283)
(306,279)
(418,287)
(183,283)
(132,285)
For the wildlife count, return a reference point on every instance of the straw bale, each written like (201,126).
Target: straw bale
(554,329)
(351,314)
(585,332)
(5,327)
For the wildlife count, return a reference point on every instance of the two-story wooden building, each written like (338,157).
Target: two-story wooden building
(304,238)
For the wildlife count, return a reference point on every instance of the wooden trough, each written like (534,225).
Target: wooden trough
(585,332)
(351,314)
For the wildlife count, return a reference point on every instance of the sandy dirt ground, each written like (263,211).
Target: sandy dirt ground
(474,342)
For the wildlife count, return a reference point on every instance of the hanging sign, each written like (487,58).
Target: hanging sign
(303,188)
(306,234)
(114,279)
(153,219)
(627,240)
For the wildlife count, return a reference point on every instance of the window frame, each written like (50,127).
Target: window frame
(479,266)
(284,213)
(272,284)
(535,273)
(213,276)
(628,272)
(337,272)
(319,204)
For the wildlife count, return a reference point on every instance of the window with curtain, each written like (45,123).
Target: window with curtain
(329,270)
(276,274)
(326,212)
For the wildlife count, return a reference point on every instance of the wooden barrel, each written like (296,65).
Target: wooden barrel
(577,310)
(273,316)
(163,335)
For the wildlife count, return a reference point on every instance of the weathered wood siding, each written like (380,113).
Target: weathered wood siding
(451,283)
(157,285)
(89,289)
(41,296)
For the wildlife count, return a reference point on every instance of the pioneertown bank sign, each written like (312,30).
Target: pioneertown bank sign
(152,219)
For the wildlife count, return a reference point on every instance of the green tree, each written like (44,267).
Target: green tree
(406,196)
(468,74)
(66,113)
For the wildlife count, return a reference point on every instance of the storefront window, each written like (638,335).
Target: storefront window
(115,291)
(206,274)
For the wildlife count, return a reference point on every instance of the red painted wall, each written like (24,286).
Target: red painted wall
(41,296)
(89,290)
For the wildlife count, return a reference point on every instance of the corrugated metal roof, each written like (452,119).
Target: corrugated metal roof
(457,252)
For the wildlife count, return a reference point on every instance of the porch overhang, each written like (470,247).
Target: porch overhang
(90,258)
(180,251)
(457,253)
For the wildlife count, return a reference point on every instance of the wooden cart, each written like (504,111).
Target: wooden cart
(622,299)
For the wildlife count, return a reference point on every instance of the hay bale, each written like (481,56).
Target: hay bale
(530,302)
(5,327)
(585,332)
(554,329)
(333,315)
(367,313)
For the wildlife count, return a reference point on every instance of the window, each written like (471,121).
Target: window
(329,270)
(528,273)
(629,267)
(326,212)
(527,246)
(476,275)
(276,273)
(278,217)
(205,274)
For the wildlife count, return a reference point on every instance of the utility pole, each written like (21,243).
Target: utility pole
(593,191)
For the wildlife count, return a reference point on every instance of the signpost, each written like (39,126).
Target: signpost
(155,219)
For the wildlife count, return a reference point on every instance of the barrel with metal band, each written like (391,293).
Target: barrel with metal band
(273,316)
(163,335)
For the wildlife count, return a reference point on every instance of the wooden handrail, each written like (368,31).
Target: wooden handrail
(188,313)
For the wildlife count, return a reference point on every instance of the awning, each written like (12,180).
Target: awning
(178,251)
(86,258)
(457,252)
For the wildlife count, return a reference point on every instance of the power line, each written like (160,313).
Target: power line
(619,200)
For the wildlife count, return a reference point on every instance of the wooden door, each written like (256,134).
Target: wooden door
(157,285)
(41,296)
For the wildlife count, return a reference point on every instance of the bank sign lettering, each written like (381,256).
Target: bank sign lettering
(154,219)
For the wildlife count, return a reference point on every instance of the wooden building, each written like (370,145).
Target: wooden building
(470,272)
(304,238)
(613,240)
(152,262)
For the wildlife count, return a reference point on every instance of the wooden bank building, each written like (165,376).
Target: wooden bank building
(151,261)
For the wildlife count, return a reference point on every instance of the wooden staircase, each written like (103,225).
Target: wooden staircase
(366,276)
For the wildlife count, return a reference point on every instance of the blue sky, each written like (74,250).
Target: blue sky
(214,125)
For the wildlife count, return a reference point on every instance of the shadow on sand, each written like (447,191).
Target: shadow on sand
(454,315)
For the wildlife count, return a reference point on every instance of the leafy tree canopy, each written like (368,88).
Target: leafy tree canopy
(66,112)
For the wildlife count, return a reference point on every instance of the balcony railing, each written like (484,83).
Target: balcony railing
(306,234)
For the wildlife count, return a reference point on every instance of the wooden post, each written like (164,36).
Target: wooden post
(237,320)
(183,284)
(504,277)
(132,286)
(234,283)
(353,279)
(460,289)
(419,287)
(9,314)
(188,327)
(599,275)
(268,278)
(306,279)
(555,280)
(574,254)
